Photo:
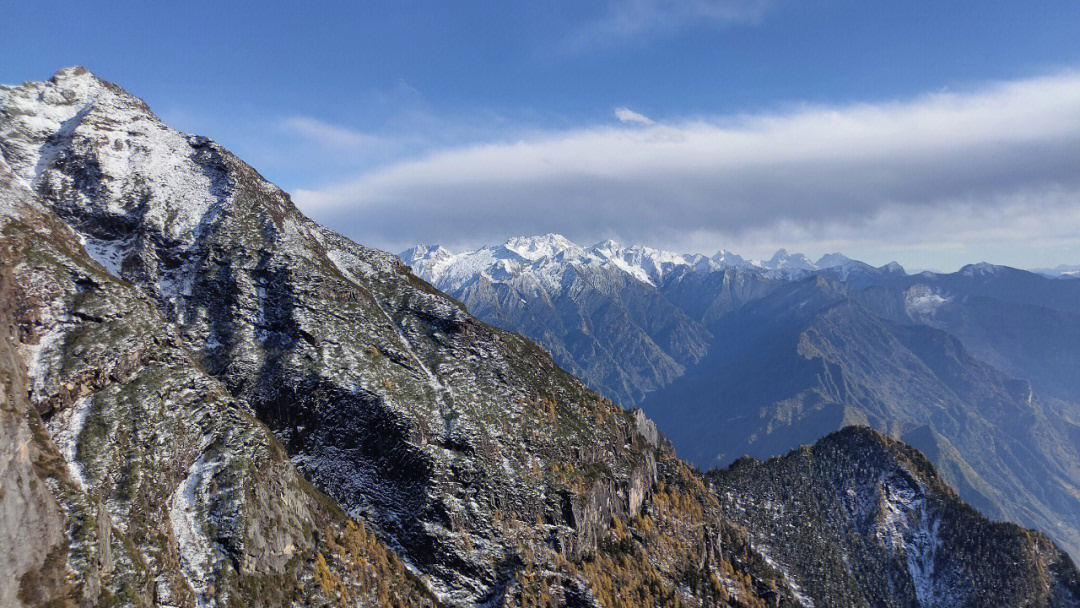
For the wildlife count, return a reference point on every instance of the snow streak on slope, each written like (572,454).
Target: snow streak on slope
(65,427)
(796,590)
(198,554)
(911,531)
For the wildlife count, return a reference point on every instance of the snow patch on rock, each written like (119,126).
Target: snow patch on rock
(65,427)
(198,553)
(38,362)
(908,527)
(109,254)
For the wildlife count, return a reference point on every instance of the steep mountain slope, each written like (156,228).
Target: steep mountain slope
(859,519)
(130,476)
(1024,324)
(708,296)
(497,477)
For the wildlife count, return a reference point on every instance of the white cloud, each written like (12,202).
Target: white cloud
(625,114)
(333,136)
(625,21)
(997,166)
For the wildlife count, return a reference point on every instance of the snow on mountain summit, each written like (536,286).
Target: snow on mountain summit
(139,162)
(782,260)
(538,247)
(548,256)
(830,260)
(726,259)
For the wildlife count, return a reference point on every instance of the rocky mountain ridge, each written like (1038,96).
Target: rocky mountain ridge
(624,319)
(517,255)
(877,523)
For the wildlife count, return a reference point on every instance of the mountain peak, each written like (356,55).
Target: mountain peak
(724,257)
(537,247)
(829,260)
(980,269)
(607,244)
(782,260)
(894,267)
(74,71)
(78,87)
(79,134)
(424,252)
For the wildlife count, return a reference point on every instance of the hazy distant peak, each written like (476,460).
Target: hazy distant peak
(537,247)
(726,258)
(1059,271)
(830,260)
(607,245)
(782,260)
(979,269)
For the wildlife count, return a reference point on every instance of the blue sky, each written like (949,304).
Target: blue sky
(351,107)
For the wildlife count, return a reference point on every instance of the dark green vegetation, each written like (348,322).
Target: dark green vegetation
(209,400)
(876,526)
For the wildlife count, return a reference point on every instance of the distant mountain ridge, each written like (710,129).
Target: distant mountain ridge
(609,313)
(1062,271)
(443,267)
(976,367)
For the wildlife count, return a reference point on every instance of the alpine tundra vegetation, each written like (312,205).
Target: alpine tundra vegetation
(210,400)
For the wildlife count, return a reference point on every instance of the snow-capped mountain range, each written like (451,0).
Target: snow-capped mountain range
(545,255)
(628,319)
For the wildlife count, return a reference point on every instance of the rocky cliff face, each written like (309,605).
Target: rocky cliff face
(212,401)
(132,477)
